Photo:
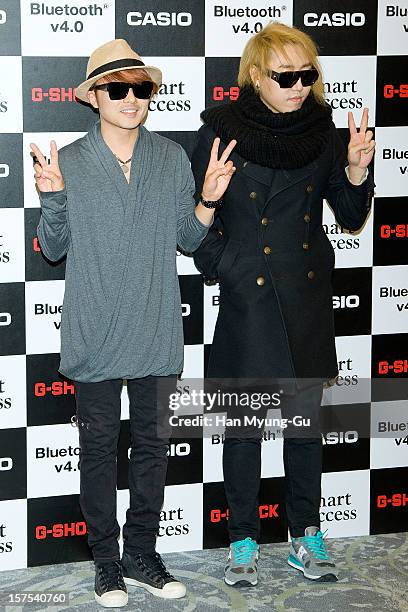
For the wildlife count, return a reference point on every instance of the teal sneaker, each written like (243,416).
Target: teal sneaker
(242,564)
(309,555)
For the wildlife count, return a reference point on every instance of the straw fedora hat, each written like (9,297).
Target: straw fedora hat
(113,56)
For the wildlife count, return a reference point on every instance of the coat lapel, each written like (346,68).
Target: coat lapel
(278,180)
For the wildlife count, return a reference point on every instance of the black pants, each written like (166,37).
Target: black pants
(302,457)
(98,418)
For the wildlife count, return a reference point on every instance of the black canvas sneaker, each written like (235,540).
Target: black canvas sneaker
(110,588)
(149,572)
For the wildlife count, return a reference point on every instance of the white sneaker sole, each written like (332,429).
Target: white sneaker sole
(112,599)
(171,593)
(242,582)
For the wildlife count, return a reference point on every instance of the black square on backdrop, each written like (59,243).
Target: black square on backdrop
(37,266)
(388,500)
(389,367)
(50,396)
(352,301)
(48,95)
(186,139)
(221,80)
(10,35)
(165,28)
(339,27)
(274,527)
(346,437)
(11,170)
(192,307)
(56,531)
(392,90)
(13,463)
(12,319)
(390,231)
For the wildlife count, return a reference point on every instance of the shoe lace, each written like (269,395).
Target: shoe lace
(317,545)
(155,567)
(244,550)
(111,575)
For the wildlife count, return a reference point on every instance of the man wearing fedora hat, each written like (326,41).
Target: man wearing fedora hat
(117,202)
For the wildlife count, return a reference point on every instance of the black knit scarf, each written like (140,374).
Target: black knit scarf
(276,140)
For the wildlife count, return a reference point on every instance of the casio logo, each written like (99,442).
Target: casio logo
(135,18)
(346,301)
(334,19)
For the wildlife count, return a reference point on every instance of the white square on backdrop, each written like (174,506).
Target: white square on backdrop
(49,475)
(12,245)
(43,319)
(391,161)
(181,97)
(11,95)
(229,25)
(13,394)
(390,300)
(347,90)
(80,28)
(345,507)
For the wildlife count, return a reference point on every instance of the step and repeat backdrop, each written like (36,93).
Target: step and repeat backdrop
(44,48)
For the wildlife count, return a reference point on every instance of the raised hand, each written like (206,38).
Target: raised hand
(361,146)
(219,172)
(47,176)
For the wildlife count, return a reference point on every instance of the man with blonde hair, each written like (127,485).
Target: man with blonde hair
(274,263)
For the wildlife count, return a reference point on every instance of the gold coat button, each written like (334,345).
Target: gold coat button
(309,188)
(267,250)
(306,218)
(252,195)
(305,245)
(260,281)
(310,274)
(264,220)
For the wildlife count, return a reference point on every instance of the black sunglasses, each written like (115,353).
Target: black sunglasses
(118,90)
(288,79)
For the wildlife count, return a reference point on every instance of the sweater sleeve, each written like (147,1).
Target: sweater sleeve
(350,203)
(190,230)
(53,230)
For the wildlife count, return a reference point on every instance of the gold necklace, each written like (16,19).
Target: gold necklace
(123,164)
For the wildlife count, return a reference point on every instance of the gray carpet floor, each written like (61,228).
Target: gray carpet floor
(373,578)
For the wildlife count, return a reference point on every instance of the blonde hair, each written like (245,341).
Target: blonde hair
(275,37)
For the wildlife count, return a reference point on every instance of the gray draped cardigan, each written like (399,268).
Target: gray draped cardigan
(121,315)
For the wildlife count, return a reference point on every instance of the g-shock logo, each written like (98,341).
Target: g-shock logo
(334,19)
(135,18)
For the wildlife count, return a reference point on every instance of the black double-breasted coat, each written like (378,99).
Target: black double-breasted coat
(274,262)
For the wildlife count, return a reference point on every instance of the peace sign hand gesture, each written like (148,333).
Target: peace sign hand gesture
(48,177)
(219,172)
(361,146)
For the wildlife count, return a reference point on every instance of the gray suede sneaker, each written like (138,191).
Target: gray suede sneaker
(242,564)
(309,555)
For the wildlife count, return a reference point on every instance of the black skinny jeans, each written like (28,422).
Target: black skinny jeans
(302,457)
(98,417)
